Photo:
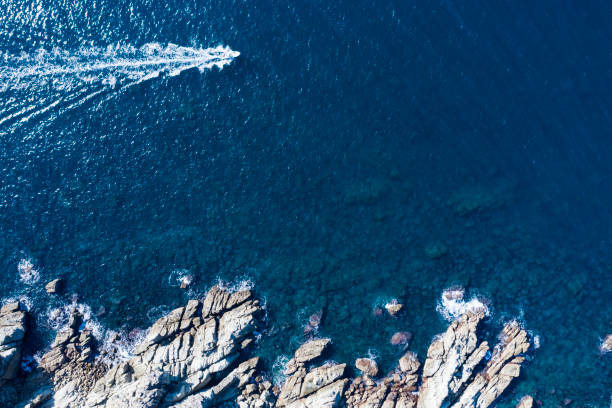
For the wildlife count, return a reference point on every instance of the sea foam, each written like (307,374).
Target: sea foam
(117,345)
(28,274)
(58,318)
(26,301)
(452,304)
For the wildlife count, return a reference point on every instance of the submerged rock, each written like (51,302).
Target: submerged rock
(314,321)
(40,398)
(436,250)
(401,338)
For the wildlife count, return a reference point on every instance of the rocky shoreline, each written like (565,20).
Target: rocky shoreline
(202,355)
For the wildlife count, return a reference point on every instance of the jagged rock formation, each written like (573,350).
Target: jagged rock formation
(525,402)
(186,356)
(450,354)
(70,345)
(450,375)
(396,390)
(502,368)
(196,357)
(12,330)
(192,357)
(70,363)
(308,387)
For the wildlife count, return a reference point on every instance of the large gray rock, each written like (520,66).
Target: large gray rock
(306,353)
(317,387)
(71,364)
(12,331)
(191,357)
(503,367)
(54,286)
(187,357)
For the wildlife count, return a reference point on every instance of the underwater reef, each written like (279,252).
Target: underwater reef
(202,355)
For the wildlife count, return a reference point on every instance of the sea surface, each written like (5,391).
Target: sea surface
(333,155)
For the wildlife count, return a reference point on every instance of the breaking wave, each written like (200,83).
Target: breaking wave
(114,345)
(26,301)
(236,285)
(28,274)
(453,304)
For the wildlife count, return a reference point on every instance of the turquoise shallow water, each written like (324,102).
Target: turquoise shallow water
(345,158)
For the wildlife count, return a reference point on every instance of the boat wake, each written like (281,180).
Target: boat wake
(58,80)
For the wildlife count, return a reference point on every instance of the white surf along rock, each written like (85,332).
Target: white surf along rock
(199,356)
(453,305)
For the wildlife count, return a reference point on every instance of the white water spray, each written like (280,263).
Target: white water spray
(453,304)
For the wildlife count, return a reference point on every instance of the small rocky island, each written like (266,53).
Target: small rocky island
(201,355)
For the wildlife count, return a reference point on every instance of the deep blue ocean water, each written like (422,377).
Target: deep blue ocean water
(354,152)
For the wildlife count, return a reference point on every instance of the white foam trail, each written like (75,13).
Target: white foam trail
(98,70)
(107,65)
